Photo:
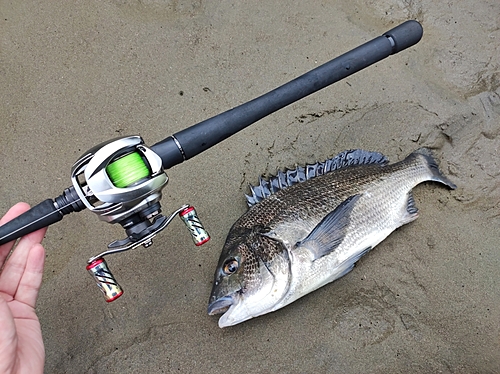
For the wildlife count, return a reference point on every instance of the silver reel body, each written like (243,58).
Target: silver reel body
(96,190)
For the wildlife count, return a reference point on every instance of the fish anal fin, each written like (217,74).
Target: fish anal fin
(330,232)
(410,212)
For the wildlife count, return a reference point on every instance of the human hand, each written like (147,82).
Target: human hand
(21,344)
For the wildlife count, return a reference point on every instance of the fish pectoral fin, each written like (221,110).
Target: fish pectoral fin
(330,232)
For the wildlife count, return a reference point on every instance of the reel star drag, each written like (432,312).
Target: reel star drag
(121,180)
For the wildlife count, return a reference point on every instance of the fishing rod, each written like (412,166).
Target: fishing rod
(121,179)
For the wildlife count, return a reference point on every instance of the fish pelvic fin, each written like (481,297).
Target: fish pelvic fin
(330,232)
(347,265)
(289,177)
(432,164)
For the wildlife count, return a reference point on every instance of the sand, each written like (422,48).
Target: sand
(426,300)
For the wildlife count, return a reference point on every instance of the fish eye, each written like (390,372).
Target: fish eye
(230,266)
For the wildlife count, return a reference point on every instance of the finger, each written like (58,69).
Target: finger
(13,212)
(31,280)
(15,266)
(8,343)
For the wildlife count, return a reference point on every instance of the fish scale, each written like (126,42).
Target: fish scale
(313,229)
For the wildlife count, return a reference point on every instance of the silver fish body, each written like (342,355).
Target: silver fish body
(308,227)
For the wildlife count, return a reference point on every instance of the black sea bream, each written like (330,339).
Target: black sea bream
(308,227)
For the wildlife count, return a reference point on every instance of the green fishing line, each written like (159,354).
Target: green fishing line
(127,170)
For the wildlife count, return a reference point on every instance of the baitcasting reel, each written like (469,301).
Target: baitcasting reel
(121,181)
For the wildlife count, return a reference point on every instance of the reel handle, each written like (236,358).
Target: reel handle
(99,270)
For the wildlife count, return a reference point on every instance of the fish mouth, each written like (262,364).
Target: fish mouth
(220,306)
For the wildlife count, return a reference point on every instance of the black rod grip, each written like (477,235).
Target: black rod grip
(201,136)
(44,214)
(41,215)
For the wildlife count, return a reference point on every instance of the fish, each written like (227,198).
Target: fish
(308,226)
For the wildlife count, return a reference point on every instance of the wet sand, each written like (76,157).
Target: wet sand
(426,300)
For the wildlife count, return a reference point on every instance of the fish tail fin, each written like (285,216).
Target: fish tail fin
(432,164)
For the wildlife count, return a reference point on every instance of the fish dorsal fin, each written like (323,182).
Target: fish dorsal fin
(289,177)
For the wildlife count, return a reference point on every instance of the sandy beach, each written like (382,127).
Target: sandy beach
(426,300)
